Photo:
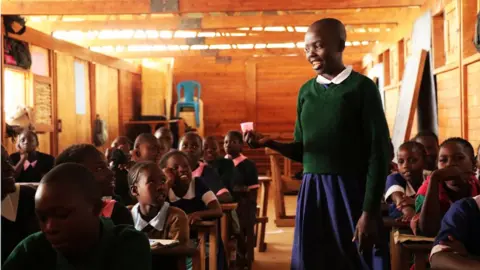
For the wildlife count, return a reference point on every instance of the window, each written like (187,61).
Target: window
(15,89)
(80,92)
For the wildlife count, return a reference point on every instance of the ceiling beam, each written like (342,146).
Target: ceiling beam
(388,17)
(352,54)
(67,7)
(262,38)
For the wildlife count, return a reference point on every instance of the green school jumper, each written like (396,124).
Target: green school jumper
(121,248)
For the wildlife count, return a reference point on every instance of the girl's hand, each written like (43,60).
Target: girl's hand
(194,217)
(455,246)
(408,214)
(365,232)
(255,139)
(406,202)
(171,176)
(449,173)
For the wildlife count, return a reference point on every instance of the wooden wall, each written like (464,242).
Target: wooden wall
(106,95)
(129,96)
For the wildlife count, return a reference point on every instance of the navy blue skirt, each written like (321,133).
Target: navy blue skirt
(328,209)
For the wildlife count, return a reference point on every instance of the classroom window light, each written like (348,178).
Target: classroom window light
(280,45)
(356,43)
(301,45)
(173,48)
(72,19)
(140,34)
(348,43)
(290,29)
(116,34)
(139,48)
(199,47)
(257,28)
(220,47)
(260,46)
(388,29)
(159,48)
(245,46)
(91,34)
(374,30)
(119,48)
(301,29)
(185,34)
(238,34)
(184,47)
(365,43)
(275,29)
(243,29)
(37,18)
(151,34)
(234,46)
(166,34)
(95,48)
(360,30)
(206,34)
(219,34)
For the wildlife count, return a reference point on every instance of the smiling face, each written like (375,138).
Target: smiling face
(66,217)
(324,47)
(182,169)
(8,179)
(97,164)
(151,188)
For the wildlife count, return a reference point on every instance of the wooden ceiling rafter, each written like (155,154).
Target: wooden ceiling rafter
(63,7)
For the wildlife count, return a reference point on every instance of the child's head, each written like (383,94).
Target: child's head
(164,147)
(324,45)
(68,203)
(411,161)
(430,142)
(147,183)
(146,148)
(166,134)
(122,143)
(8,178)
(89,156)
(456,152)
(179,162)
(211,149)
(233,143)
(191,144)
(27,141)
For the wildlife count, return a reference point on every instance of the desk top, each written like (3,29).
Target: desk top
(264,178)
(229,206)
(188,249)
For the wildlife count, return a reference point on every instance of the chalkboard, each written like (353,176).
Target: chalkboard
(409,91)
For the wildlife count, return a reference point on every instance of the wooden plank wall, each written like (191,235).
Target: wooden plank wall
(456,65)
(129,97)
(106,105)
(262,90)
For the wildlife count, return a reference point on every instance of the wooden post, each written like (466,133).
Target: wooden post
(251,91)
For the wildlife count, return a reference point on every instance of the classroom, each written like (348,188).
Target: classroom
(240,134)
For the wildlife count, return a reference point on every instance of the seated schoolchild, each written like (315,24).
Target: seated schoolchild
(68,203)
(454,180)
(152,214)
(402,187)
(88,156)
(430,141)
(166,134)
(146,148)
(247,201)
(18,209)
(457,244)
(191,194)
(119,161)
(223,166)
(30,165)
(120,143)
(191,145)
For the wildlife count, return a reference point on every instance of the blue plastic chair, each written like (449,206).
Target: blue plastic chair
(189,100)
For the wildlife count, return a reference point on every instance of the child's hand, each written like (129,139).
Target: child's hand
(23,155)
(254,139)
(455,246)
(450,173)
(408,213)
(406,202)
(171,176)
(194,217)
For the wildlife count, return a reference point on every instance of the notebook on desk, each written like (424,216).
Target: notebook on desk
(163,242)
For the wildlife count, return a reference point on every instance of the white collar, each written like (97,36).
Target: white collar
(477,200)
(10,204)
(342,76)
(157,222)
(188,196)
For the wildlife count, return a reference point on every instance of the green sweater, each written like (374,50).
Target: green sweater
(344,131)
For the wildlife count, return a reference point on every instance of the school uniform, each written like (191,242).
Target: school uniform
(33,170)
(170,223)
(18,218)
(120,247)
(335,119)
(210,178)
(116,211)
(396,183)
(226,170)
(462,222)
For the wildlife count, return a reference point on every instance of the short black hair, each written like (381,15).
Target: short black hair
(163,129)
(167,156)
(77,153)
(30,132)
(135,170)
(235,135)
(79,178)
(330,23)
(464,143)
(426,133)
(410,145)
(144,138)
(191,134)
(124,138)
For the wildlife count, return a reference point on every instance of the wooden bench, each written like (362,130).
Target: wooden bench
(180,253)
(225,221)
(207,230)
(403,245)
(262,214)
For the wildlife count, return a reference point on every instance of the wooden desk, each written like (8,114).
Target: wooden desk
(210,228)
(227,208)
(404,245)
(154,123)
(263,216)
(180,252)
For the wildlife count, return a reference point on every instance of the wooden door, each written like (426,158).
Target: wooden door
(73,95)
